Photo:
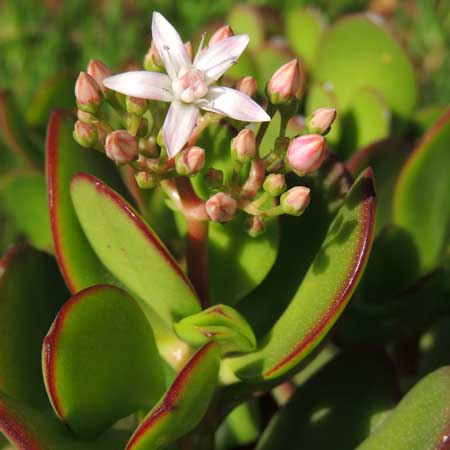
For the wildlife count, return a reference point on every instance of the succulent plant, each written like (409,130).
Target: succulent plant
(191,268)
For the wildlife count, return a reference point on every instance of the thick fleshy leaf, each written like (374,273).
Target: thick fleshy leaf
(23,196)
(323,293)
(28,429)
(337,407)
(184,404)
(100,361)
(421,421)
(386,157)
(12,132)
(421,203)
(78,263)
(31,292)
(304,28)
(300,241)
(374,60)
(131,251)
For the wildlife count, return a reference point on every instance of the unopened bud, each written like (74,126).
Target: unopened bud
(189,50)
(306,153)
(88,93)
(255,226)
(224,32)
(99,71)
(190,161)
(152,60)
(102,131)
(243,146)
(137,106)
(320,121)
(148,147)
(295,200)
(85,116)
(221,207)
(146,180)
(121,147)
(284,86)
(85,134)
(214,178)
(275,184)
(247,85)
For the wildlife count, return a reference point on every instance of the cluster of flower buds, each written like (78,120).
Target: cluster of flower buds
(258,184)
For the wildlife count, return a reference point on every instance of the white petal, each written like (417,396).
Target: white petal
(218,58)
(233,104)
(169,45)
(142,84)
(178,126)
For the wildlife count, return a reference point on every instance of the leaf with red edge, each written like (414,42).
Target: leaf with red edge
(100,361)
(78,263)
(323,293)
(184,404)
(31,292)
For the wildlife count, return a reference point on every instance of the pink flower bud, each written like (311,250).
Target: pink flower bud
(247,85)
(295,200)
(284,86)
(320,120)
(98,71)
(221,207)
(121,147)
(152,60)
(306,153)
(275,184)
(255,226)
(220,34)
(85,134)
(190,161)
(243,146)
(88,93)
(146,180)
(136,105)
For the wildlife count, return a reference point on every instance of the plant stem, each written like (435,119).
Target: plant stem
(264,125)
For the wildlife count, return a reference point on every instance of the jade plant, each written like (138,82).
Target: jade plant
(200,248)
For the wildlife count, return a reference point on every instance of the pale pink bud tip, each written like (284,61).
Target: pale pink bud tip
(243,146)
(275,184)
(321,120)
(255,226)
(295,200)
(152,59)
(221,207)
(190,161)
(121,147)
(284,86)
(87,93)
(98,71)
(220,34)
(247,86)
(189,49)
(306,153)
(85,134)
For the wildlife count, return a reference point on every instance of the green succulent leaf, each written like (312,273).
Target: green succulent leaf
(337,407)
(29,429)
(31,292)
(304,28)
(23,195)
(184,404)
(100,361)
(79,265)
(323,293)
(421,421)
(373,59)
(220,324)
(131,251)
(421,203)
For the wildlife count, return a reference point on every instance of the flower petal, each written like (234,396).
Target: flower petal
(218,58)
(178,126)
(141,84)
(233,104)
(169,45)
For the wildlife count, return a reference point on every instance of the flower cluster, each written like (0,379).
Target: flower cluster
(160,143)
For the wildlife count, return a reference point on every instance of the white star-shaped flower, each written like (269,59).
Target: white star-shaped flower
(189,86)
